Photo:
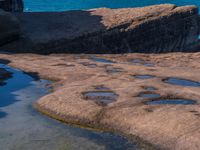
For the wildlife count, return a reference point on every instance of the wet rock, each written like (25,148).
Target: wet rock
(152,29)
(9,27)
(129,115)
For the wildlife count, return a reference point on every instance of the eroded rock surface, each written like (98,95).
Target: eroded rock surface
(158,28)
(174,127)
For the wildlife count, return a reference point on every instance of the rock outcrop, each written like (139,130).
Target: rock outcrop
(158,28)
(168,127)
(9,27)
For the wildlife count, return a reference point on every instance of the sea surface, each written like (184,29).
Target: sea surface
(62,5)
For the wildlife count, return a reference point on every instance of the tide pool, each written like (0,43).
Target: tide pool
(62,5)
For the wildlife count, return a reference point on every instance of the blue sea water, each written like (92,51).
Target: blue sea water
(62,5)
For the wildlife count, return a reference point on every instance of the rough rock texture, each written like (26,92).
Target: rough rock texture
(174,127)
(158,28)
(9,27)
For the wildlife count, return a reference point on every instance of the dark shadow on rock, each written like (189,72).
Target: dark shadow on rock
(33,75)
(152,29)
(4,61)
(4,75)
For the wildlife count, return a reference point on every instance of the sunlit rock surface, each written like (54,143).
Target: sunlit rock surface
(151,29)
(173,126)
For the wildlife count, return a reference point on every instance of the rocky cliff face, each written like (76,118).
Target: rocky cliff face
(152,29)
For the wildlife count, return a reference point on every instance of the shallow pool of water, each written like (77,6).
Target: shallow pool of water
(149,95)
(181,82)
(102,60)
(143,76)
(23,128)
(137,61)
(171,102)
(150,88)
(149,64)
(101,97)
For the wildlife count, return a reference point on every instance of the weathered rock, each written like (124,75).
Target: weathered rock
(9,27)
(172,127)
(158,28)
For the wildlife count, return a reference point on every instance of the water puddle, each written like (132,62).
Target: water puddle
(143,76)
(2,114)
(114,70)
(139,61)
(102,60)
(181,82)
(149,95)
(171,102)
(150,88)
(23,128)
(101,97)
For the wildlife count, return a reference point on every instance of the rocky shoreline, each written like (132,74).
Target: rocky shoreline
(152,98)
(151,29)
(173,126)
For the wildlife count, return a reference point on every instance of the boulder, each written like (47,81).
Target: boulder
(9,27)
(151,29)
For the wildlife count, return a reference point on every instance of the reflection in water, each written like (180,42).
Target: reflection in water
(23,128)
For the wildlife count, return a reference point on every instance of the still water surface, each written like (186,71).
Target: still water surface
(61,5)
(23,128)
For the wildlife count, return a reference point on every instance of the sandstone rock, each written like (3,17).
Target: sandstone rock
(169,127)
(9,27)
(158,28)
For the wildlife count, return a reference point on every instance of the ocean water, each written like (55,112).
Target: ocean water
(62,5)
